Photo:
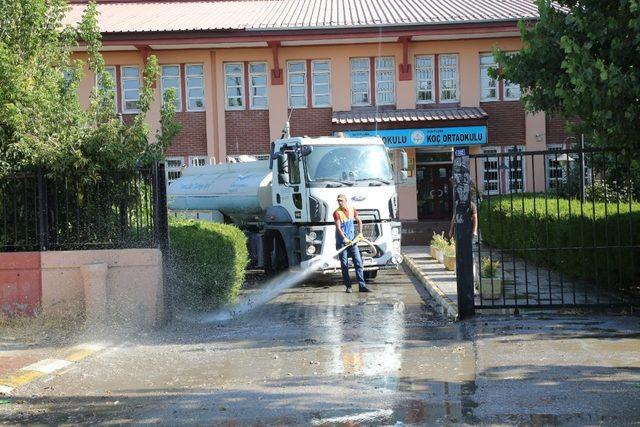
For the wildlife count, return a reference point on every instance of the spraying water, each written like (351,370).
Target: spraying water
(272,288)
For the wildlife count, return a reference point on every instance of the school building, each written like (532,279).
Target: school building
(411,71)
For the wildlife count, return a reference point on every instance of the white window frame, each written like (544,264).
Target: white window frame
(125,90)
(226,87)
(197,161)
(172,168)
(486,81)
(507,85)
(550,166)
(314,74)
(385,71)
(522,169)
(429,70)
(368,80)
(303,73)
(188,85)
(114,75)
(178,89)
(496,170)
(252,86)
(442,69)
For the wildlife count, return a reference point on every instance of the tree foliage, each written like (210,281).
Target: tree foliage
(42,123)
(581,59)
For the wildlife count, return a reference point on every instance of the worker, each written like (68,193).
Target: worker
(345,218)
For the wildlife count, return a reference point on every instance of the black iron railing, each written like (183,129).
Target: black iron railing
(558,228)
(118,209)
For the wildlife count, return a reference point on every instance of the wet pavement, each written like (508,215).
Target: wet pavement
(318,356)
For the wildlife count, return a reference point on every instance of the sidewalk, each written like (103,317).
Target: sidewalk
(438,281)
(30,351)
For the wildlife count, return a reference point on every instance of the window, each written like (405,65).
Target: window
(385,81)
(234,85)
(424,79)
(448,71)
(491,174)
(170,78)
(173,168)
(258,85)
(197,160)
(112,93)
(511,90)
(515,170)
(360,81)
(555,171)
(297,78)
(130,89)
(195,87)
(488,86)
(321,83)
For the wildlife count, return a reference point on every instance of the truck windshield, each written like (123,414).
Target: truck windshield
(349,163)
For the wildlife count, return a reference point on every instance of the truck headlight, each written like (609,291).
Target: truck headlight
(395,232)
(396,244)
(311,250)
(311,236)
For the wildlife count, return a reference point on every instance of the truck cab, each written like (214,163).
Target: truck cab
(307,176)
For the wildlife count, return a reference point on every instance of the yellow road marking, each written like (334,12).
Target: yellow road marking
(19,378)
(77,356)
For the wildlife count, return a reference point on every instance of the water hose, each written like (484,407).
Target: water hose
(355,242)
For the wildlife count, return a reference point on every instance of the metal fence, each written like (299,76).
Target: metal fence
(119,209)
(558,228)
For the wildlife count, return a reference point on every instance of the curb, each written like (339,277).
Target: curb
(10,382)
(449,308)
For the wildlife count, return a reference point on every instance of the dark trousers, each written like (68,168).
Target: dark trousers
(354,252)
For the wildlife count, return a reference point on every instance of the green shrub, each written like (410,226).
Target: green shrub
(489,268)
(567,237)
(438,241)
(208,261)
(450,249)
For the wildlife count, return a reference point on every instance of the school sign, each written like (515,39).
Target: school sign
(426,137)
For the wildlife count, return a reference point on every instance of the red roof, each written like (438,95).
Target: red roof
(262,15)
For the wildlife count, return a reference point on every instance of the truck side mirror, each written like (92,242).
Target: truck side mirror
(283,170)
(403,176)
(404,160)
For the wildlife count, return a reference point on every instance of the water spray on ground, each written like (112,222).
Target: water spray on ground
(272,289)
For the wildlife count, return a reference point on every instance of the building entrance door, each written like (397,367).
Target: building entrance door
(433,185)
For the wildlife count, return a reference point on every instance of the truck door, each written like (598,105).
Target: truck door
(290,195)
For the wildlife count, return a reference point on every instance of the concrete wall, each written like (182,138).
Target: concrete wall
(133,284)
(20,287)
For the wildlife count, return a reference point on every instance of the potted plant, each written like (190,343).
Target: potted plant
(450,257)
(438,243)
(490,284)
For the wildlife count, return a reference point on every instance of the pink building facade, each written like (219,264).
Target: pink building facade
(242,69)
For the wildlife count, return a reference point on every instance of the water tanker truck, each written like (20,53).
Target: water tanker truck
(285,205)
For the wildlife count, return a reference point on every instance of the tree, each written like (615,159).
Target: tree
(42,123)
(582,59)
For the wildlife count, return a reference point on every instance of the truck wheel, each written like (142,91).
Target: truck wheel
(275,255)
(370,275)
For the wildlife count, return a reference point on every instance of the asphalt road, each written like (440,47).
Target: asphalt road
(318,356)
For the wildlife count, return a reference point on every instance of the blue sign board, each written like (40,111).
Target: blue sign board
(426,137)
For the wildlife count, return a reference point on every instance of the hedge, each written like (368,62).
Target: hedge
(577,238)
(208,261)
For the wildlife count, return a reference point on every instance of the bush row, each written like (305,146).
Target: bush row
(589,241)
(208,261)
